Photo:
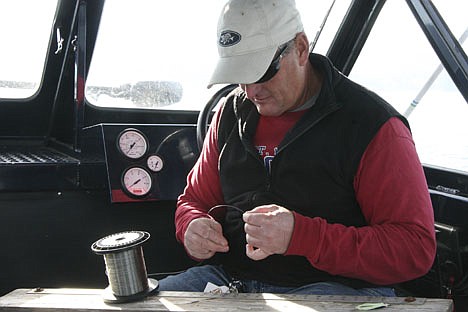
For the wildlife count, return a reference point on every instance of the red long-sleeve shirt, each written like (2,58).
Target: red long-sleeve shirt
(397,245)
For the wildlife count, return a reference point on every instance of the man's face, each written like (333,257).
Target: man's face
(284,92)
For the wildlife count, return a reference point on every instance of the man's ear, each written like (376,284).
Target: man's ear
(302,47)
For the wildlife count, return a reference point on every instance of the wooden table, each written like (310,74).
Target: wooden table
(69,299)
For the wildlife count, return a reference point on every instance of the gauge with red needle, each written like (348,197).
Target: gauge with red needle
(137,181)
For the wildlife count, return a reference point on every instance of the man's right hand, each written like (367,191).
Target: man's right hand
(204,237)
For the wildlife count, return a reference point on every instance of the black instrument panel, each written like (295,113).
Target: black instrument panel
(144,162)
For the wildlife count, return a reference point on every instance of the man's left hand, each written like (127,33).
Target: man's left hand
(268,231)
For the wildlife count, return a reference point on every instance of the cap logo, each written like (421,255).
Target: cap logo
(229,38)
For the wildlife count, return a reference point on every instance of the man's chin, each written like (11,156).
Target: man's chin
(267,111)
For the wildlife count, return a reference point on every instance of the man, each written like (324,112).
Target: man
(315,181)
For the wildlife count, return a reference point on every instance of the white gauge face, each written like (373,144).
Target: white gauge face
(155,163)
(132,144)
(137,181)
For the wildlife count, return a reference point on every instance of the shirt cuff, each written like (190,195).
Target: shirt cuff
(306,238)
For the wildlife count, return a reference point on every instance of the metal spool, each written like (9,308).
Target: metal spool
(125,266)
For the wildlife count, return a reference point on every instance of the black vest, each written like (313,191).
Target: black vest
(312,172)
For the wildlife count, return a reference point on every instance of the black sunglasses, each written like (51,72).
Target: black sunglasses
(274,66)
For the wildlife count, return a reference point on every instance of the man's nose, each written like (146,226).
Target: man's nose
(251,90)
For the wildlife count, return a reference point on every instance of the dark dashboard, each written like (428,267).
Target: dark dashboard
(132,162)
(141,162)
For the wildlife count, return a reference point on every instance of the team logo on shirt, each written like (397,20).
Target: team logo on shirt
(267,157)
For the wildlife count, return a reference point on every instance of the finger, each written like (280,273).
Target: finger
(208,229)
(201,255)
(192,243)
(208,238)
(209,244)
(215,234)
(253,229)
(263,209)
(253,241)
(257,215)
(255,219)
(255,253)
(204,238)
(201,249)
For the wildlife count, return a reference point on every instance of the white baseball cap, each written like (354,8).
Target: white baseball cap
(249,34)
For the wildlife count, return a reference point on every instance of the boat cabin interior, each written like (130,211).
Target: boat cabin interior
(104,106)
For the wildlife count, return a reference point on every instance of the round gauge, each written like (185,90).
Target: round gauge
(137,181)
(155,163)
(132,143)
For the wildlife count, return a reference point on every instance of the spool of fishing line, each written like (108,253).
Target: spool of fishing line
(125,266)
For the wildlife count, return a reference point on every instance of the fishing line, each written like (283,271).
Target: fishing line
(225,206)
(125,266)
(165,274)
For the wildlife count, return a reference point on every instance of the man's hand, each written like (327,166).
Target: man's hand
(204,237)
(268,231)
